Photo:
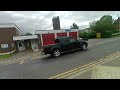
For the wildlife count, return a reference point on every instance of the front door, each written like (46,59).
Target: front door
(21,45)
(34,44)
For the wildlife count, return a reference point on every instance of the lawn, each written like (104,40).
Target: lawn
(5,56)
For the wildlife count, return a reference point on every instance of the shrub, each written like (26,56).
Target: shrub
(91,35)
(88,35)
(84,35)
(106,34)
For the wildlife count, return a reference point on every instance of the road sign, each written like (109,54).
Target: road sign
(4,46)
(98,35)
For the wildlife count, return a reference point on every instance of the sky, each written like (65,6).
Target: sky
(29,21)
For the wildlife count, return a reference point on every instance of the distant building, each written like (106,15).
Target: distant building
(116,25)
(56,23)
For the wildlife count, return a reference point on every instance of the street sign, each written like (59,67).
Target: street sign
(4,46)
(98,35)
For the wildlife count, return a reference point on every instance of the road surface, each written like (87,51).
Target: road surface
(46,67)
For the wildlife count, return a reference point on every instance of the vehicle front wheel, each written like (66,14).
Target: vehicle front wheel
(84,46)
(56,53)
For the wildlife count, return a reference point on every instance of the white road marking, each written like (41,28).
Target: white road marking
(21,62)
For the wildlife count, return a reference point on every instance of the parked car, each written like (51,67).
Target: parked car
(64,44)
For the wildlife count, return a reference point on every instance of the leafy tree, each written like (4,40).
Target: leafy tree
(74,26)
(103,26)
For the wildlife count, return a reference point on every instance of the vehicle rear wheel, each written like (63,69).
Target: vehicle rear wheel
(56,53)
(84,46)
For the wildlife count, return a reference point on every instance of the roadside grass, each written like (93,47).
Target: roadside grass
(5,56)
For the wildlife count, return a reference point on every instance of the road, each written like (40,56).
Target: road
(47,67)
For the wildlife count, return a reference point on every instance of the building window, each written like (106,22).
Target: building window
(72,40)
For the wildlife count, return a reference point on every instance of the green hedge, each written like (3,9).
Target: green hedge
(106,34)
(92,34)
(86,35)
(115,31)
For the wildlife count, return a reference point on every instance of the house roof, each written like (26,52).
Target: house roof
(116,21)
(7,25)
(15,38)
(54,31)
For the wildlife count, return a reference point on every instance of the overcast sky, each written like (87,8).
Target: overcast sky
(29,21)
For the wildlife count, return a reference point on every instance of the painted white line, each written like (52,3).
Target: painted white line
(21,62)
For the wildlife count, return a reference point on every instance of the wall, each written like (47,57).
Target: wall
(27,44)
(6,37)
(34,44)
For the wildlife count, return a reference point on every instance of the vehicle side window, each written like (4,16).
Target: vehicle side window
(65,40)
(72,40)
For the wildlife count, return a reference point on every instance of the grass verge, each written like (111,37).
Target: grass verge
(5,56)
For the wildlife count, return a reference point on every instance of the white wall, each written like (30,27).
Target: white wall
(25,37)
(34,45)
(53,31)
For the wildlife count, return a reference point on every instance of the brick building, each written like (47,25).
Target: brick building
(12,40)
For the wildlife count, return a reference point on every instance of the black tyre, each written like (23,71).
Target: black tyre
(56,53)
(84,46)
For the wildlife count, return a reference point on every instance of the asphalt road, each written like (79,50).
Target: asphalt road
(46,67)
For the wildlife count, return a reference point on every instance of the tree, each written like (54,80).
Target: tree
(74,26)
(103,26)
(28,33)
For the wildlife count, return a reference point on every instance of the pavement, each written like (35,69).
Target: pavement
(28,55)
(47,67)
(109,69)
(21,57)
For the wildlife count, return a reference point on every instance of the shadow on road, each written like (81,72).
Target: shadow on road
(62,57)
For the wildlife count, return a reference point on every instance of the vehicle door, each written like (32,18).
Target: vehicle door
(74,43)
(65,44)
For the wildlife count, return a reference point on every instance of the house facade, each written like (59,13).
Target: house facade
(7,31)
(12,39)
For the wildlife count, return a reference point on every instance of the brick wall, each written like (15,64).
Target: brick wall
(6,37)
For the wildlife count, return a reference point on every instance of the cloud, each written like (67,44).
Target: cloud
(29,21)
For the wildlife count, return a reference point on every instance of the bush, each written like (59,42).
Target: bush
(115,31)
(106,34)
(88,35)
(83,35)
(91,35)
